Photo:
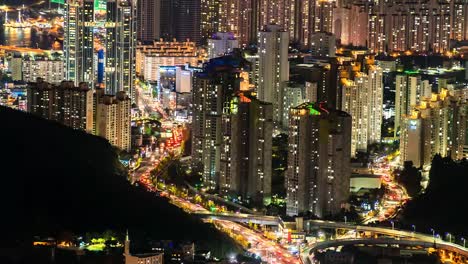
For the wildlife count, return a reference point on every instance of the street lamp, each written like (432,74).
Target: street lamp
(449,237)
(414,228)
(463,239)
(345,219)
(433,234)
(393,225)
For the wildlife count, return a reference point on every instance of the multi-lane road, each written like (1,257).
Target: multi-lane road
(395,195)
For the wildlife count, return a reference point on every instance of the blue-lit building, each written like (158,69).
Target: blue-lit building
(99,43)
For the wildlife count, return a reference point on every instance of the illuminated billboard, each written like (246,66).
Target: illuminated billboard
(100,5)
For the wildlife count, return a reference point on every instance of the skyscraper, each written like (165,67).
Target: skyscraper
(355,103)
(100,39)
(273,46)
(180,20)
(188,20)
(324,16)
(210,17)
(375,74)
(120,47)
(318,172)
(212,90)
(236,16)
(246,149)
(71,41)
(148,20)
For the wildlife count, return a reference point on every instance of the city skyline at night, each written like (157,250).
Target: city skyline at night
(234,131)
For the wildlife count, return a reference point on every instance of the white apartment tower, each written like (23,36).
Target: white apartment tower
(362,99)
(273,46)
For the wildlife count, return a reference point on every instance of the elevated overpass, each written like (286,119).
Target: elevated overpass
(439,244)
(242,218)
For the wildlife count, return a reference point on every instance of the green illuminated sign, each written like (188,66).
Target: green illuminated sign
(58,1)
(99,5)
(312,110)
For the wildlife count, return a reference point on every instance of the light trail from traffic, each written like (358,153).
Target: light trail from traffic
(395,196)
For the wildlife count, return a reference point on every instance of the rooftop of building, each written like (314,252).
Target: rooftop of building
(109,99)
(40,84)
(169,48)
(319,108)
(233,62)
(223,35)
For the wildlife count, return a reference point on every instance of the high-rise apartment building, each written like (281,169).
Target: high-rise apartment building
(246,150)
(212,91)
(350,24)
(51,71)
(189,20)
(363,99)
(295,94)
(415,25)
(210,17)
(322,76)
(273,46)
(221,43)
(148,20)
(437,125)
(375,82)
(324,16)
(323,44)
(318,172)
(355,103)
(113,119)
(240,17)
(180,20)
(410,90)
(65,103)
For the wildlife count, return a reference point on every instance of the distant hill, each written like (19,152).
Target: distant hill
(55,179)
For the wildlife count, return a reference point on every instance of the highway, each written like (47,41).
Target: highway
(307,254)
(395,196)
(254,242)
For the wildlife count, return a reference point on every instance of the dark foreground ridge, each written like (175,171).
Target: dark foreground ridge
(57,179)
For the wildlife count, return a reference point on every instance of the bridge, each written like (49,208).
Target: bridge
(241,218)
(462,253)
